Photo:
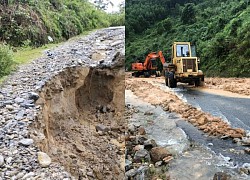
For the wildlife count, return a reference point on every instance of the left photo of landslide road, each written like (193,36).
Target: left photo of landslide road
(62,90)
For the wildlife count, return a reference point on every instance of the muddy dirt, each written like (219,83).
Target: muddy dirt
(234,85)
(76,104)
(230,87)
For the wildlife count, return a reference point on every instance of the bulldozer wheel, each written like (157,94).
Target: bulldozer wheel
(202,83)
(202,78)
(171,80)
(197,82)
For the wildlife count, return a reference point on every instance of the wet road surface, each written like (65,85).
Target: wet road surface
(234,110)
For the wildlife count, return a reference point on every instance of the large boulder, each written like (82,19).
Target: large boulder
(158,153)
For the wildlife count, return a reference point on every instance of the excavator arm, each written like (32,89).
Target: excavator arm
(163,61)
(146,62)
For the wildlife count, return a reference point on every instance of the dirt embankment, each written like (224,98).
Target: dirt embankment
(234,85)
(170,102)
(82,121)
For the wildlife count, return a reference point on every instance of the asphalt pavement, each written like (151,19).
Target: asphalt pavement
(234,110)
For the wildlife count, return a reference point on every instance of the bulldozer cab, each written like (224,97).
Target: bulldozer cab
(182,50)
(184,57)
(184,66)
(185,49)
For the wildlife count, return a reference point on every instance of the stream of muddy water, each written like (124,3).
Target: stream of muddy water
(196,156)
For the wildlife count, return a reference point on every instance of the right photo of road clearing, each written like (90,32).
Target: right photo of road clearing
(187,94)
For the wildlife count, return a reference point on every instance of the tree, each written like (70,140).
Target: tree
(188,14)
(103,4)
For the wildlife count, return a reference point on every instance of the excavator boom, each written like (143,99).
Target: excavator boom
(162,57)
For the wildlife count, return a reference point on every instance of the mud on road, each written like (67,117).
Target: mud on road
(234,85)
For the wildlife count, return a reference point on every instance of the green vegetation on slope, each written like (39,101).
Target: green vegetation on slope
(6,60)
(219,28)
(31,23)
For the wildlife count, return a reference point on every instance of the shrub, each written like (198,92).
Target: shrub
(6,60)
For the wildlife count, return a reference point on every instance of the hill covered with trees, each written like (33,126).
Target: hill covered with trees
(30,22)
(33,23)
(218,28)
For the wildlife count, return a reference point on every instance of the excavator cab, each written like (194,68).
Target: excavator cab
(149,66)
(154,63)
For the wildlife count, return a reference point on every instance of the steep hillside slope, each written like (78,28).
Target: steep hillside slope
(35,23)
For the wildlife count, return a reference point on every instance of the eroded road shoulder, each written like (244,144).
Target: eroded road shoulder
(61,116)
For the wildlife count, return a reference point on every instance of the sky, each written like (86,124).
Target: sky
(114,8)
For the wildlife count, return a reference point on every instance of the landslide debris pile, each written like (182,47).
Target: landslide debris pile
(60,116)
(234,85)
(204,121)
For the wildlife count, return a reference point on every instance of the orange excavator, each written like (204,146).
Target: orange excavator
(149,66)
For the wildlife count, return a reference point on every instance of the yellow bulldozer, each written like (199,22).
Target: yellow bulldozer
(184,66)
